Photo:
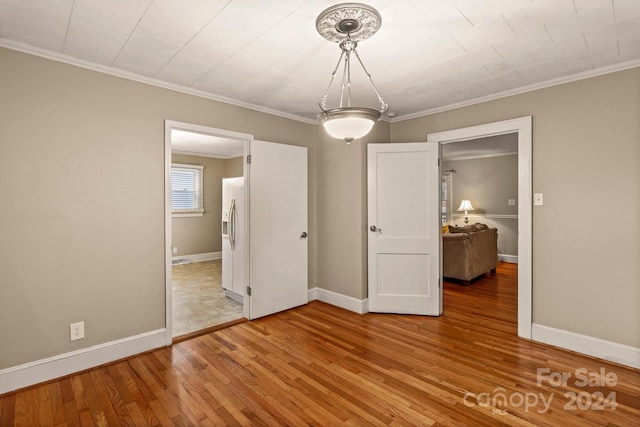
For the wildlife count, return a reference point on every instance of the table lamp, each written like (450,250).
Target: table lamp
(465,206)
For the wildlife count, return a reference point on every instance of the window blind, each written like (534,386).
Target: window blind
(447,197)
(187,192)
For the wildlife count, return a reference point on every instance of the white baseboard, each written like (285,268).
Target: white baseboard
(359,306)
(208,256)
(39,371)
(596,347)
(513,259)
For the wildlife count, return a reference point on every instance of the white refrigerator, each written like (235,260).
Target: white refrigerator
(233,234)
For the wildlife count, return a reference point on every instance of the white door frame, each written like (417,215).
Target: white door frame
(168,126)
(521,126)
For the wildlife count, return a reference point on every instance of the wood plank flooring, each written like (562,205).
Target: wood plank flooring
(320,365)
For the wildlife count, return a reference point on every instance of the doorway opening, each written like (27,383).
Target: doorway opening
(521,129)
(484,172)
(194,227)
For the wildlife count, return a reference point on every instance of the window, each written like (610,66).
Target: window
(187,193)
(447,196)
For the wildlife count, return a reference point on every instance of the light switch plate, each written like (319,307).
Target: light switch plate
(538,200)
(511,202)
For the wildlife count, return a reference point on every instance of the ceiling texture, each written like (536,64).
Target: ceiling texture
(429,55)
(199,144)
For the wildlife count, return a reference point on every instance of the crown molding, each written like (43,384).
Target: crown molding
(59,57)
(530,88)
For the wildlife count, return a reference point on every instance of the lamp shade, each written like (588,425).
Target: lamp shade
(465,206)
(349,123)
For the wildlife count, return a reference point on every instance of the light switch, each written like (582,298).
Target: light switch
(538,199)
(511,202)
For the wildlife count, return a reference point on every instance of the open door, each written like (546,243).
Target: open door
(278,251)
(403,182)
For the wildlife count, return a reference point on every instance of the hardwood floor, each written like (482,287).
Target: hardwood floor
(320,365)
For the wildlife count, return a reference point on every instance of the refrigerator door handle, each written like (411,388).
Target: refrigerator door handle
(232,224)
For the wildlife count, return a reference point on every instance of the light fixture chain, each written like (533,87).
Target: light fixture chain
(344,78)
(349,80)
(383,105)
(323,101)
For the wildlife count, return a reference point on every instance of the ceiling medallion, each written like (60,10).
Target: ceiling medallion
(358,21)
(347,24)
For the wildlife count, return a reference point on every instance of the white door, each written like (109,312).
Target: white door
(404,228)
(277,228)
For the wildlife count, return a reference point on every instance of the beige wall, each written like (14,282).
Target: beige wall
(234,167)
(586,149)
(82,212)
(488,183)
(200,235)
(342,212)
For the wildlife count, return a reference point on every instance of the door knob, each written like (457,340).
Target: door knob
(304,235)
(375,229)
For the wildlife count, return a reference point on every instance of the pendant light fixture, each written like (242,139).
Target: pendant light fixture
(348,24)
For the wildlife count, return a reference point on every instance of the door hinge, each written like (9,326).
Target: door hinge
(248,290)
(249,159)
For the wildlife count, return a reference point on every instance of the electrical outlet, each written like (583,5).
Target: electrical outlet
(175,249)
(76,331)
(511,202)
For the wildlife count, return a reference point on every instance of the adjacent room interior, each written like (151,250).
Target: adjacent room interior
(202,218)
(484,172)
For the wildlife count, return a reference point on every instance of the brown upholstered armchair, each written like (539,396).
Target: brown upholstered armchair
(466,256)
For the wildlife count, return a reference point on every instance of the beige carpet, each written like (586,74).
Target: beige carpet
(198,298)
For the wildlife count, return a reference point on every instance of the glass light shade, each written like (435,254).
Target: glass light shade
(465,206)
(349,123)
(348,128)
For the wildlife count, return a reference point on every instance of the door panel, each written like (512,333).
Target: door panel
(400,275)
(404,245)
(398,176)
(278,255)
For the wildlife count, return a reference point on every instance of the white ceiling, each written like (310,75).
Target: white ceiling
(427,56)
(199,144)
(492,146)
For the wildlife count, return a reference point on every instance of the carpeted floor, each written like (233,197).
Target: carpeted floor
(198,299)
